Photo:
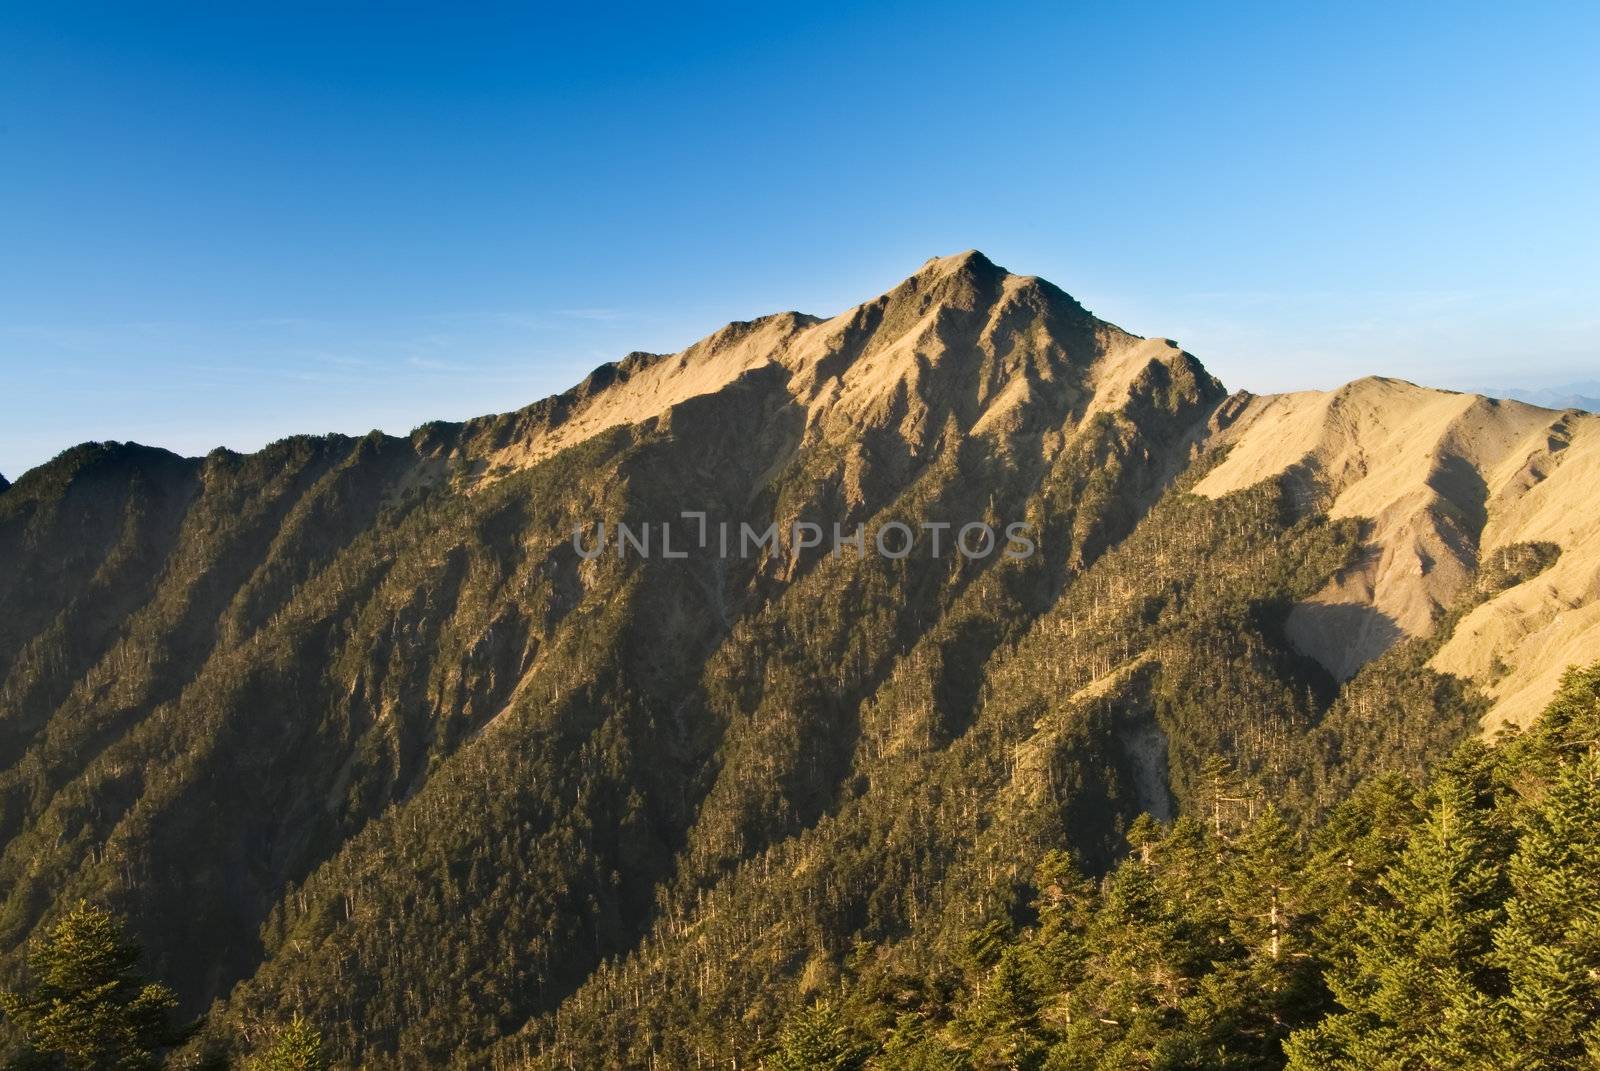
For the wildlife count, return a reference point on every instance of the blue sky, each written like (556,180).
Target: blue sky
(222,226)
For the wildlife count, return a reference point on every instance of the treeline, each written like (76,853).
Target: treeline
(1453,924)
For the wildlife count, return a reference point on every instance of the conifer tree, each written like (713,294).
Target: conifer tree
(1141,950)
(816,1038)
(1065,901)
(1549,944)
(1361,839)
(87,1008)
(911,1047)
(1003,1020)
(1418,990)
(1263,981)
(1261,891)
(295,1047)
(986,943)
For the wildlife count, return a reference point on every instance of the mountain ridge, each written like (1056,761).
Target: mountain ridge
(357,709)
(849,388)
(1448,480)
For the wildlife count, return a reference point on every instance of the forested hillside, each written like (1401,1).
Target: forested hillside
(363,746)
(1451,923)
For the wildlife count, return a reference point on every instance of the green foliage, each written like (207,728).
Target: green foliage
(815,1039)
(1549,943)
(1001,1022)
(1448,926)
(297,1046)
(86,1008)
(1415,986)
(1514,564)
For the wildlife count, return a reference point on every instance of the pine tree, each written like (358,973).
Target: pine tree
(1418,990)
(1260,892)
(1141,949)
(1219,784)
(1550,941)
(986,943)
(296,1047)
(87,1009)
(816,1038)
(1003,1021)
(1360,840)
(1065,901)
(910,1047)
(1262,981)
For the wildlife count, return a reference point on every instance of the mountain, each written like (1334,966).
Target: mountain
(1585,395)
(1450,484)
(356,729)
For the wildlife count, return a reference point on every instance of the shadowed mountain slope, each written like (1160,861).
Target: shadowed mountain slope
(350,727)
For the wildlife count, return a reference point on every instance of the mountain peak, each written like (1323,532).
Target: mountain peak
(954,279)
(961,337)
(968,260)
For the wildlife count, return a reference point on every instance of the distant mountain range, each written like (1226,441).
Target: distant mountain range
(355,728)
(1585,395)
